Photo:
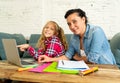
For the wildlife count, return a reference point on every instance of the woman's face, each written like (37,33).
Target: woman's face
(49,30)
(76,23)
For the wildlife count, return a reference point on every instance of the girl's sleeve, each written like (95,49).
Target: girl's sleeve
(34,53)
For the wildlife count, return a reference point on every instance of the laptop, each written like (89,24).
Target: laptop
(13,56)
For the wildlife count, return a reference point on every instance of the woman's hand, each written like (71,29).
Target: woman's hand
(78,58)
(23,47)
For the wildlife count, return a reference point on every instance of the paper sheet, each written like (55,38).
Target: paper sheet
(40,68)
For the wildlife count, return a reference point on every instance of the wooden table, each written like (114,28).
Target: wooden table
(105,74)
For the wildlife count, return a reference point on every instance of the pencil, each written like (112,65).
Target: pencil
(26,68)
(91,70)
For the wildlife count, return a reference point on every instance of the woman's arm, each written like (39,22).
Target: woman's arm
(96,45)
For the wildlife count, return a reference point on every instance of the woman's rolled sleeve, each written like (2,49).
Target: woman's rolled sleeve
(70,52)
(93,57)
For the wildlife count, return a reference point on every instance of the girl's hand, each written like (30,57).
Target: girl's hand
(44,58)
(23,47)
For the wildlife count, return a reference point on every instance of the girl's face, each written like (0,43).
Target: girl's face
(49,30)
(76,24)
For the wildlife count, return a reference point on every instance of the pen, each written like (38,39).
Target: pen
(91,70)
(62,62)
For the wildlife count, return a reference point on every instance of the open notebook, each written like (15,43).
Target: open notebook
(72,65)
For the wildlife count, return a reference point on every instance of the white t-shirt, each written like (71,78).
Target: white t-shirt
(82,53)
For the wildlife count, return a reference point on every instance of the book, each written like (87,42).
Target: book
(72,65)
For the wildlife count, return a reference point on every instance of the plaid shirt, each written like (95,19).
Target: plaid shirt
(54,48)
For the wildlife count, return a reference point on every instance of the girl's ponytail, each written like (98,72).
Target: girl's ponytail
(62,37)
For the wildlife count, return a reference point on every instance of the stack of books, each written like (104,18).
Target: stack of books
(72,65)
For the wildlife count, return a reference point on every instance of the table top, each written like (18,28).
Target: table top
(105,74)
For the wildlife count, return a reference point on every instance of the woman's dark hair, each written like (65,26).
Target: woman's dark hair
(80,12)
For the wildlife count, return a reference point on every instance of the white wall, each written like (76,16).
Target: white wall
(29,16)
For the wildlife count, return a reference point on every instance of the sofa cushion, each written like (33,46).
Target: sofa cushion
(68,37)
(115,47)
(3,36)
(18,38)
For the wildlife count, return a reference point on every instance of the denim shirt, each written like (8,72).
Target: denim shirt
(96,46)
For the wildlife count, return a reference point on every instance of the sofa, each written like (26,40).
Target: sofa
(20,39)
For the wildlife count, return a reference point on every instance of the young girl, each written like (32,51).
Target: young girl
(52,42)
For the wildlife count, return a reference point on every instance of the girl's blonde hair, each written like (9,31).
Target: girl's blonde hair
(58,31)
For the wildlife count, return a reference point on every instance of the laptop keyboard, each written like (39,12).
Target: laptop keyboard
(26,63)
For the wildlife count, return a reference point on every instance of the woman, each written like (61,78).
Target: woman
(88,42)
